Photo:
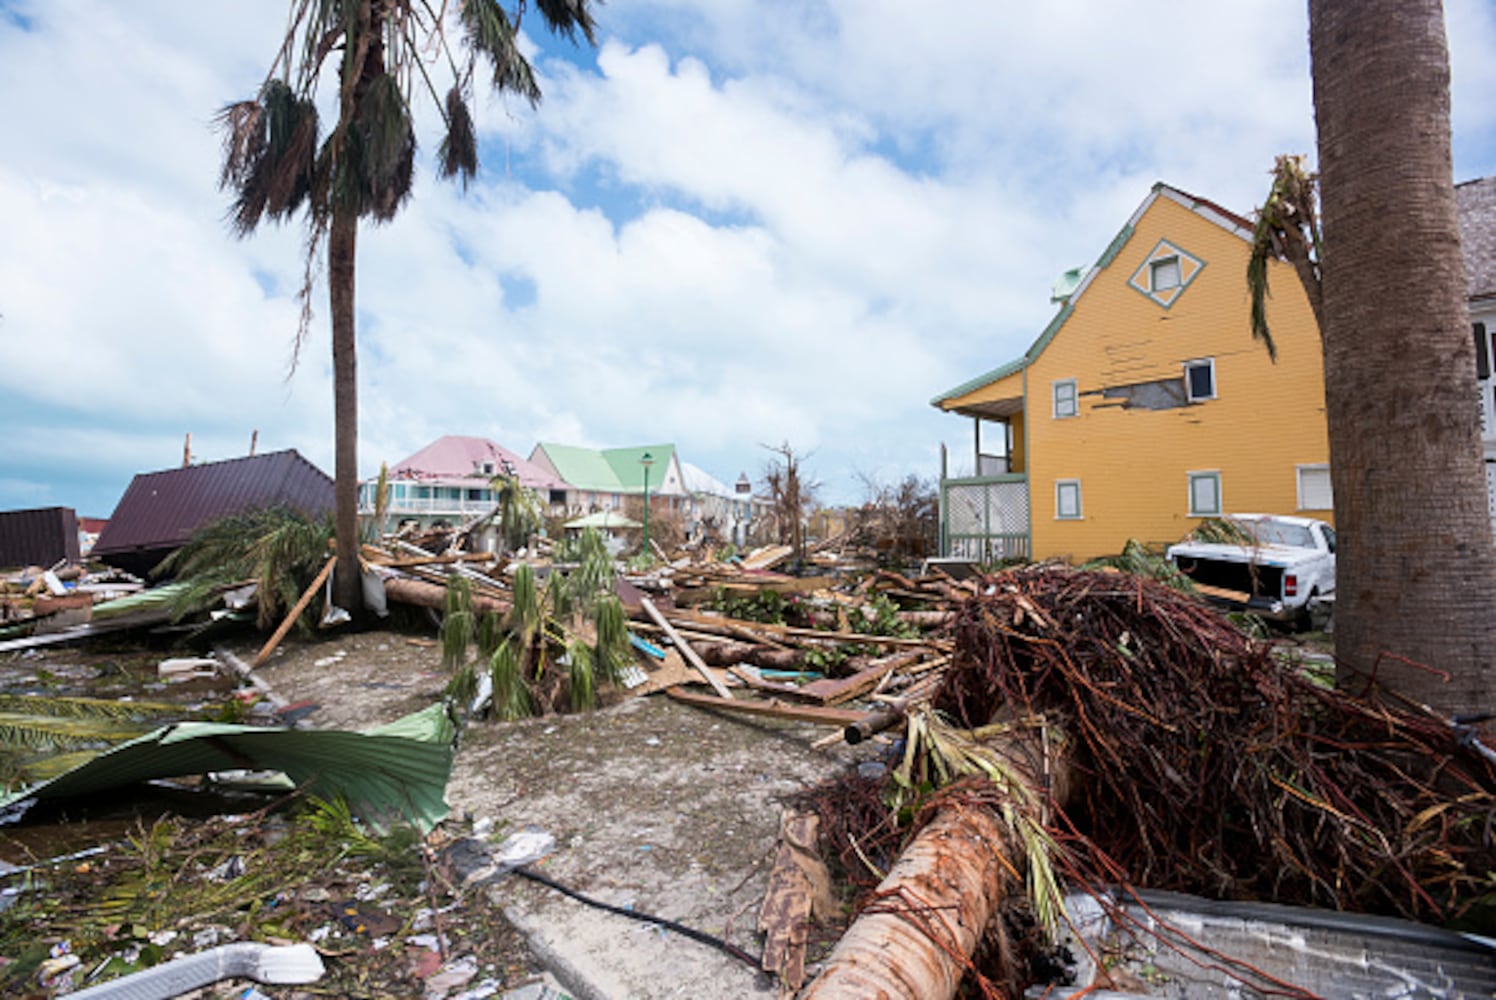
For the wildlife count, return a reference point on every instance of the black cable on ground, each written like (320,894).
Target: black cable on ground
(668,924)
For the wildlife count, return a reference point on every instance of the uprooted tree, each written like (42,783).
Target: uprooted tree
(277,162)
(1386,281)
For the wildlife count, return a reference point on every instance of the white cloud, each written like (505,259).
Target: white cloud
(746,222)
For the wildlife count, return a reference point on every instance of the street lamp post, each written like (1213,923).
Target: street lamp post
(646,460)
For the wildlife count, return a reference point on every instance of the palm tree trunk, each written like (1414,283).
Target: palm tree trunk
(1417,568)
(341,246)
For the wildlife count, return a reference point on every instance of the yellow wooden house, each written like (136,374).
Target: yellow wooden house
(1145,404)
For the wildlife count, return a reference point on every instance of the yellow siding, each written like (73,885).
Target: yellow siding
(1133,463)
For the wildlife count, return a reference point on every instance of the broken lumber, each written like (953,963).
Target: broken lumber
(834,692)
(295,613)
(684,647)
(773,708)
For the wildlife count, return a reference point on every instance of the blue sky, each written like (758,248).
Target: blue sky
(733,224)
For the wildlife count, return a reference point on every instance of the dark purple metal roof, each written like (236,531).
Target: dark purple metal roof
(38,537)
(160,510)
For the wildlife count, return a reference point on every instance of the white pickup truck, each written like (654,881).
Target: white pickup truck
(1282,568)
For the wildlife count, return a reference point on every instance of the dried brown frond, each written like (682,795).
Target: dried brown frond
(459,148)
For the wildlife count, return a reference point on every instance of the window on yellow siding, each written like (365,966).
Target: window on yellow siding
(1205,494)
(1064,398)
(1164,274)
(1200,379)
(1067,499)
(1314,488)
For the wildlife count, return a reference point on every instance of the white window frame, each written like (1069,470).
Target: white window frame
(1060,486)
(1213,475)
(1189,390)
(1154,266)
(1299,471)
(1074,400)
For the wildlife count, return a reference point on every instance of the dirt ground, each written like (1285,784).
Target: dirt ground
(655,806)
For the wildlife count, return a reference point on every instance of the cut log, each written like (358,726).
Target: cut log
(730,654)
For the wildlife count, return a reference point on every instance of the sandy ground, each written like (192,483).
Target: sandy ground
(655,806)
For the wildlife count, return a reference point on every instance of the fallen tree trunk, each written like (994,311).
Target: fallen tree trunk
(730,654)
(916,940)
(434,595)
(931,912)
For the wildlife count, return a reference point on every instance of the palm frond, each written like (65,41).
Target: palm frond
(279,547)
(511,695)
(380,152)
(269,153)
(84,708)
(526,615)
(490,32)
(46,733)
(613,652)
(459,626)
(583,682)
(567,17)
(458,154)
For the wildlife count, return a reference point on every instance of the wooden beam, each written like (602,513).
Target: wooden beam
(775,709)
(685,648)
(285,626)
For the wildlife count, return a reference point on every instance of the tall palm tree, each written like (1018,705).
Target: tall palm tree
(1417,569)
(276,161)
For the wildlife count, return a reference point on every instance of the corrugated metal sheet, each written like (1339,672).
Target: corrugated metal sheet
(160,510)
(38,537)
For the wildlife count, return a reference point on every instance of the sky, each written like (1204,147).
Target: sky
(733,224)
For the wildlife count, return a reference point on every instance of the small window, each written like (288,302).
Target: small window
(1064,398)
(1067,499)
(488,468)
(1329,533)
(1164,274)
(1314,488)
(1205,494)
(1200,379)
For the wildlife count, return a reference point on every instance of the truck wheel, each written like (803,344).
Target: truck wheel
(1304,620)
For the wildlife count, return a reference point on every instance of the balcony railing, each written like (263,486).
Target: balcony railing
(985,518)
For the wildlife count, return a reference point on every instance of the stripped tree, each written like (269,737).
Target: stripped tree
(277,161)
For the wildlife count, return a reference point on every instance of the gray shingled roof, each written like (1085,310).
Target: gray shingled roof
(1477,206)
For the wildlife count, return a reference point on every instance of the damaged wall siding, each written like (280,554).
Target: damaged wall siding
(1134,437)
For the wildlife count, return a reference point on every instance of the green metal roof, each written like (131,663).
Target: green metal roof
(583,468)
(626,465)
(611,470)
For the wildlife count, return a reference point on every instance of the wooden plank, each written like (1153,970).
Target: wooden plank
(285,626)
(684,647)
(834,692)
(775,709)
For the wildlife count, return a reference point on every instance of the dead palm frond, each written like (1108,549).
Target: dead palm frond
(1287,229)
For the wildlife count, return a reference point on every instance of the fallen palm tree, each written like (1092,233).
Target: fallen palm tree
(1201,763)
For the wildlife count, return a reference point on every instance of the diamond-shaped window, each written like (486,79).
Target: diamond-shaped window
(1166,273)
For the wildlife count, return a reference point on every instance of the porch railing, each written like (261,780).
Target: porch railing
(985,518)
